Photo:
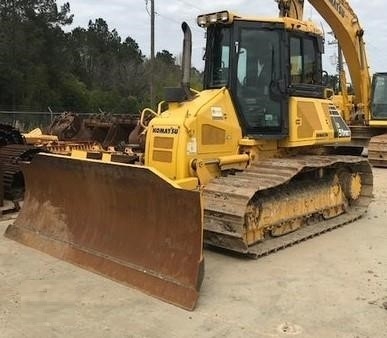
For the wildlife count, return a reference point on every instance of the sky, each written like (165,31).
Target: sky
(131,18)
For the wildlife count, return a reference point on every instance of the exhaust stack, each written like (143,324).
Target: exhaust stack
(186,62)
(183,92)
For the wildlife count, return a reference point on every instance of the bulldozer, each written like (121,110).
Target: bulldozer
(240,166)
(366,111)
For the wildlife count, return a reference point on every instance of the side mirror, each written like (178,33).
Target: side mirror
(325,78)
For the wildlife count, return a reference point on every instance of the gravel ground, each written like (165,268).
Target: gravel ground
(334,285)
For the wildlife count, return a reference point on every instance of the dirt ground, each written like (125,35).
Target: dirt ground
(334,285)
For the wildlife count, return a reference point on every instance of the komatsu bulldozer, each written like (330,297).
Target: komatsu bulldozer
(239,166)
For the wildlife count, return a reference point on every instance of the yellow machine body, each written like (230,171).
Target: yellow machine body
(207,129)
(206,173)
(364,111)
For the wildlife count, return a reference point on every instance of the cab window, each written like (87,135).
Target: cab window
(304,64)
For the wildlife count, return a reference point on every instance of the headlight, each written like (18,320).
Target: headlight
(214,18)
(224,16)
(202,21)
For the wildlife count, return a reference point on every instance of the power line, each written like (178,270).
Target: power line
(189,4)
(167,17)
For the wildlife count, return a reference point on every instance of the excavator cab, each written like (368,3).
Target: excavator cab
(379,97)
(377,145)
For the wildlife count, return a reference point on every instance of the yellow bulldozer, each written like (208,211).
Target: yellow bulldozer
(240,166)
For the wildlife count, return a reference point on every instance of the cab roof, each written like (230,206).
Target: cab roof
(227,18)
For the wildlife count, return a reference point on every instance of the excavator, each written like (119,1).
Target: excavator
(366,111)
(240,166)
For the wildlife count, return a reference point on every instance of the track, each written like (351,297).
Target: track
(10,158)
(10,135)
(226,200)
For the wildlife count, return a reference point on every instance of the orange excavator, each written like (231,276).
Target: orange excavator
(241,165)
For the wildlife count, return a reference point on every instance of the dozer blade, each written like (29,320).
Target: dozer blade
(123,221)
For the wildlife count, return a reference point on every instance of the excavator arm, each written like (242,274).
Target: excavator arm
(346,27)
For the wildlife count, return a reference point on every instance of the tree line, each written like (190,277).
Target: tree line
(84,70)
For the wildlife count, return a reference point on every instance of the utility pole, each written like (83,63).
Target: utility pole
(152,15)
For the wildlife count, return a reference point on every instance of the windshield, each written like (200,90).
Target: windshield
(258,69)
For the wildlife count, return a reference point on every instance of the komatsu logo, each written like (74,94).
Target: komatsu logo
(338,7)
(165,130)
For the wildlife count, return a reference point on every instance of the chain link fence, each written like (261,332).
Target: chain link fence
(26,121)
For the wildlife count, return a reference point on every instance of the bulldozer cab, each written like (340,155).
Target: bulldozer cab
(261,64)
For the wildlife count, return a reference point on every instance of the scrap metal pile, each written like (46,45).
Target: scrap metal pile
(106,129)
(67,134)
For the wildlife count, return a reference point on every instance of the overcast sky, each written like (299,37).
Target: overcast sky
(130,18)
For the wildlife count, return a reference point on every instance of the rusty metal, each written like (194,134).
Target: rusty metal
(110,130)
(65,126)
(107,129)
(66,147)
(227,199)
(377,151)
(122,221)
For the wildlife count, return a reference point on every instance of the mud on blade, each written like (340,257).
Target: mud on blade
(122,221)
